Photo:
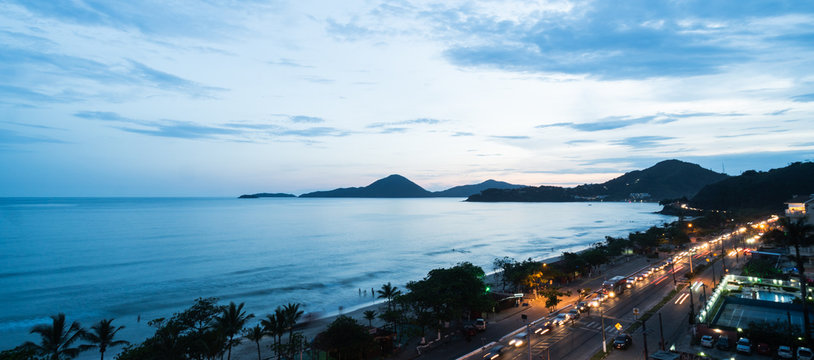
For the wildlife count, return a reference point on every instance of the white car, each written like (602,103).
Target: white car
(707,341)
(744,346)
(561,319)
(784,352)
(480,324)
(804,353)
(518,340)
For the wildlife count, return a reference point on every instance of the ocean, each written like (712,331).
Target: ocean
(137,259)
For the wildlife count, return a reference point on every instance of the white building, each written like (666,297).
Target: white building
(801,207)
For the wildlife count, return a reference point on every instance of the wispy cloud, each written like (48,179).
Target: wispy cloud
(314,132)
(778,112)
(510,137)
(165,80)
(300,119)
(803,98)
(9,137)
(463,133)
(419,121)
(643,142)
(182,130)
(289,63)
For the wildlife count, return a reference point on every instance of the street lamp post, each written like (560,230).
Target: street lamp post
(692,307)
(602,319)
(673,266)
(661,332)
(644,336)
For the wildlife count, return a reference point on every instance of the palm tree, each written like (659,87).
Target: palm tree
(797,235)
(370,315)
(388,292)
(255,334)
(101,336)
(274,326)
(232,320)
(291,315)
(56,340)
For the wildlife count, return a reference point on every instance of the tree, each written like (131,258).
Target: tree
(255,334)
(231,321)
(552,296)
(101,336)
(388,292)
(797,234)
(274,326)
(369,316)
(291,314)
(56,339)
(347,339)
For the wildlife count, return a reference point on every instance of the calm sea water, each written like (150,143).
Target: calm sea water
(131,258)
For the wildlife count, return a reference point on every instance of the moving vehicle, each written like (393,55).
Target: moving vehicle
(804,353)
(722,343)
(784,352)
(614,286)
(630,282)
(582,306)
(622,341)
(573,313)
(519,339)
(480,324)
(561,319)
(744,346)
(544,327)
(495,352)
(707,341)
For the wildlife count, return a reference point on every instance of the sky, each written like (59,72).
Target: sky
(220,98)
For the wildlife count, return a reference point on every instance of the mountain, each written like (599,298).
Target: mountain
(469,190)
(265,195)
(665,180)
(758,191)
(393,186)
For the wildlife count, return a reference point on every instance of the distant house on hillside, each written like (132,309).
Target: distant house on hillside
(801,207)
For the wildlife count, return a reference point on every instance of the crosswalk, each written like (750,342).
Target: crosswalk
(610,330)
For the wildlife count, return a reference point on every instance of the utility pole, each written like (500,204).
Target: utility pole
(644,335)
(528,338)
(690,257)
(692,307)
(602,319)
(673,266)
(723,257)
(661,332)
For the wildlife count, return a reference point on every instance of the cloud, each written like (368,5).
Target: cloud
(510,137)
(165,80)
(103,115)
(577,142)
(9,137)
(619,122)
(778,112)
(803,98)
(419,121)
(463,133)
(314,132)
(642,142)
(305,119)
(288,63)
(182,130)
(633,40)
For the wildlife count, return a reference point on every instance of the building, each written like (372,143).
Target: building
(801,206)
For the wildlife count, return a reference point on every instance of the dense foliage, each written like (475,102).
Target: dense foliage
(758,191)
(666,179)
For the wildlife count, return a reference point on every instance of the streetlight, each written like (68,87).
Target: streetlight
(602,319)
(692,307)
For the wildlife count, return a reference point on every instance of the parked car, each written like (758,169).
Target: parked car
(561,319)
(707,341)
(573,313)
(495,352)
(622,341)
(544,327)
(744,346)
(519,339)
(480,324)
(804,353)
(722,343)
(784,352)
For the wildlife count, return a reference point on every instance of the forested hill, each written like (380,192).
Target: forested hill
(759,191)
(667,179)
(393,186)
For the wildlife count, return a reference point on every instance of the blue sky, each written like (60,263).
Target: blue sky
(219,98)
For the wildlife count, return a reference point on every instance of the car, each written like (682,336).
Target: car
(622,341)
(519,339)
(480,324)
(744,346)
(495,352)
(784,352)
(573,313)
(544,327)
(582,306)
(722,343)
(630,282)
(804,353)
(560,319)
(707,341)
